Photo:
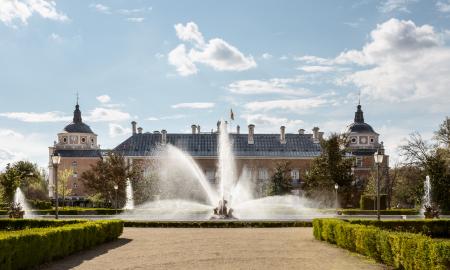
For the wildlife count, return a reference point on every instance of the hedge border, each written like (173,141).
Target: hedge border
(216,224)
(21,224)
(398,249)
(436,228)
(31,247)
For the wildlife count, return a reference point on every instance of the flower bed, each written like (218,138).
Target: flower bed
(28,248)
(398,249)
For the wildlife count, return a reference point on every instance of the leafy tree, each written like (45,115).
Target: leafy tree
(432,161)
(25,175)
(110,171)
(280,182)
(146,186)
(63,184)
(408,187)
(329,168)
(442,135)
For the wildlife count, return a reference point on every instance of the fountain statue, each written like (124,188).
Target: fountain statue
(20,206)
(129,204)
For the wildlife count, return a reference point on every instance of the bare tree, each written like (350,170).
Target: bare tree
(442,135)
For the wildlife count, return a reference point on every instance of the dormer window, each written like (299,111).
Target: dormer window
(64,139)
(371,140)
(83,139)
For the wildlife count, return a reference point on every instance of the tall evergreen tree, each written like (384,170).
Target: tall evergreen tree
(281,181)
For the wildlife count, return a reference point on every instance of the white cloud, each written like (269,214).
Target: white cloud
(266,56)
(15,146)
(116,130)
(96,115)
(107,115)
(56,38)
(299,106)
(401,62)
(190,33)
(104,99)
(395,5)
(216,53)
(101,8)
(311,59)
(270,122)
(22,10)
(313,69)
(136,19)
(32,117)
(179,58)
(443,6)
(276,85)
(134,10)
(194,105)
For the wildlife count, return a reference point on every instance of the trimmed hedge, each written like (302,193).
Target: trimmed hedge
(382,212)
(431,227)
(28,248)
(20,224)
(398,249)
(217,224)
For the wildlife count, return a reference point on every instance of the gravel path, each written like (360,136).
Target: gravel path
(271,248)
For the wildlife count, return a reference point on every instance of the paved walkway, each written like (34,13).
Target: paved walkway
(271,248)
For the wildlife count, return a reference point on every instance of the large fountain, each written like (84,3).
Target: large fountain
(185,193)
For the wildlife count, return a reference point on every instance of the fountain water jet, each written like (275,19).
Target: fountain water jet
(129,205)
(19,198)
(185,192)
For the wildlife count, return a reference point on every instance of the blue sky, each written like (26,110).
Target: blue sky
(169,64)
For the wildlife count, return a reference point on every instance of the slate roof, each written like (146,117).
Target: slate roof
(205,145)
(79,153)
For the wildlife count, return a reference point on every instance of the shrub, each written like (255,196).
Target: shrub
(368,202)
(434,228)
(30,247)
(398,249)
(382,212)
(20,224)
(217,224)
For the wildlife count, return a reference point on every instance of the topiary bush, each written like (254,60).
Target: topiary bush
(398,249)
(28,248)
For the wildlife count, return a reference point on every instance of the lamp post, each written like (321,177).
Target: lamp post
(56,159)
(378,157)
(336,187)
(116,187)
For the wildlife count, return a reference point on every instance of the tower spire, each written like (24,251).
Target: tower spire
(359,115)
(77,113)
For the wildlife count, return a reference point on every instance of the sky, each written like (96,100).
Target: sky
(170,64)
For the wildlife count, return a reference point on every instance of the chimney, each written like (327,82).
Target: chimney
(198,129)
(218,126)
(139,130)
(163,136)
(133,127)
(238,129)
(194,128)
(301,131)
(315,133)
(320,135)
(283,135)
(251,132)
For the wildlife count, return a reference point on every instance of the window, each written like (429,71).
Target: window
(353,140)
(83,139)
(75,185)
(65,139)
(74,164)
(295,174)
(211,176)
(358,162)
(75,175)
(263,174)
(371,140)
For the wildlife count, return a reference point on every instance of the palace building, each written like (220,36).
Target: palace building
(257,152)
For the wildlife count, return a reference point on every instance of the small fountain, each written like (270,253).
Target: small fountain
(21,202)
(428,209)
(129,205)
